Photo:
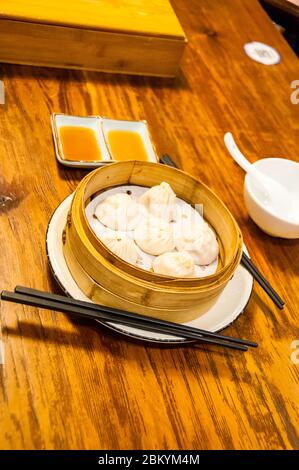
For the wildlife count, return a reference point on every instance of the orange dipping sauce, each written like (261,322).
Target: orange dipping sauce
(79,144)
(126,145)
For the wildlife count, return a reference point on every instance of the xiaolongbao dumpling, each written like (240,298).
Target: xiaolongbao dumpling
(200,242)
(178,264)
(186,218)
(159,201)
(154,236)
(121,245)
(119,212)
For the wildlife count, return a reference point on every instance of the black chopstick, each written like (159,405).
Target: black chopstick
(245,260)
(168,161)
(89,310)
(262,281)
(79,311)
(128,315)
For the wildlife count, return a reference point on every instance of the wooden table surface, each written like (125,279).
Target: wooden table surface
(70,385)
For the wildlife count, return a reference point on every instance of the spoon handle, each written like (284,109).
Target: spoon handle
(236,154)
(242,160)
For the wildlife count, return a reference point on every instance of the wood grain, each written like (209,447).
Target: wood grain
(73,48)
(128,36)
(72,385)
(129,16)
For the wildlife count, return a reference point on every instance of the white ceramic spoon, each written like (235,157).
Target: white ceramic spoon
(270,192)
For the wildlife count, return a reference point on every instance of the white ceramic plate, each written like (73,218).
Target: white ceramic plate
(229,305)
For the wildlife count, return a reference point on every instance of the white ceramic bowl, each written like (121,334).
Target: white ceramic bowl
(285,172)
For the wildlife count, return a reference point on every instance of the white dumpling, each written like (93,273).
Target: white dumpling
(121,245)
(186,217)
(200,241)
(159,201)
(178,264)
(119,212)
(154,236)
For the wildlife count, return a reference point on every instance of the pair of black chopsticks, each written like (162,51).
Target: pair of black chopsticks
(79,308)
(246,261)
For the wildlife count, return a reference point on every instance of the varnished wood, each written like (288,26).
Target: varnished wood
(72,385)
(129,16)
(128,36)
(70,48)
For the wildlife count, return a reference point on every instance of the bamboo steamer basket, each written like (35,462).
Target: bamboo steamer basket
(97,270)
(102,296)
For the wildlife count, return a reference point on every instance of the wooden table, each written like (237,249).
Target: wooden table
(70,385)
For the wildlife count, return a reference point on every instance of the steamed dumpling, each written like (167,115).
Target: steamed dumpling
(154,236)
(121,245)
(159,201)
(200,242)
(178,264)
(119,212)
(185,217)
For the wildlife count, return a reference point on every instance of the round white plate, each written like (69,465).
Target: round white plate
(229,305)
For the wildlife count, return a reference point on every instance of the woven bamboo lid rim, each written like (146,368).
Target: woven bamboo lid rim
(80,198)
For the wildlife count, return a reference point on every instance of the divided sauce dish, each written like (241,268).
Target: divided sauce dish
(94,141)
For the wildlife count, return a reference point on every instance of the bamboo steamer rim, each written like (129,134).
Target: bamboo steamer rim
(162,288)
(93,288)
(150,275)
(81,223)
(183,303)
(79,201)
